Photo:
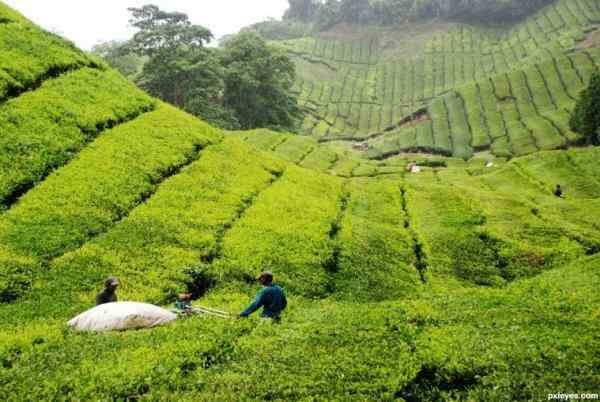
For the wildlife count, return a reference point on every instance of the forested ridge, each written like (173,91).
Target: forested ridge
(326,13)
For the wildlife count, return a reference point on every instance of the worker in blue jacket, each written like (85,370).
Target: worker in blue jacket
(271,298)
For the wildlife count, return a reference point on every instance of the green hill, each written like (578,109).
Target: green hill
(463,282)
(449,88)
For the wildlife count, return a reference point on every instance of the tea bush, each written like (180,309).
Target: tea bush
(29,56)
(44,129)
(467,281)
(106,180)
(180,226)
(287,230)
(376,252)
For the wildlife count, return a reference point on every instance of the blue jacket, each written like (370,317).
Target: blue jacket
(272,299)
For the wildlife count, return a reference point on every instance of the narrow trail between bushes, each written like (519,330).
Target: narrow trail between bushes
(306,155)
(247,203)
(332,264)
(420,256)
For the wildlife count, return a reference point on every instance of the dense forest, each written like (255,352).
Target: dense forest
(326,13)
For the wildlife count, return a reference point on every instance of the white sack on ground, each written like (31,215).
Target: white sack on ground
(121,316)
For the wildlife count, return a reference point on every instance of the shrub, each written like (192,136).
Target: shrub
(43,129)
(586,117)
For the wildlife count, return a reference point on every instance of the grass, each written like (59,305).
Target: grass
(466,281)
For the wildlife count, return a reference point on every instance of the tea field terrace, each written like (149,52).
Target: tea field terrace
(461,282)
(447,88)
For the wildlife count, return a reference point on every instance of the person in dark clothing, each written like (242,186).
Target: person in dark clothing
(558,191)
(108,295)
(271,298)
(184,303)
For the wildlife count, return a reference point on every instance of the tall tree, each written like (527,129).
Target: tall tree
(258,81)
(160,31)
(586,117)
(114,53)
(180,69)
(303,10)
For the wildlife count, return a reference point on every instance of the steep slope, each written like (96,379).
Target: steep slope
(447,88)
(463,282)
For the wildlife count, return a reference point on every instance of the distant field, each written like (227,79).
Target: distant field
(509,92)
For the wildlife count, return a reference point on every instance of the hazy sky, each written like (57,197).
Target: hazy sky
(87,22)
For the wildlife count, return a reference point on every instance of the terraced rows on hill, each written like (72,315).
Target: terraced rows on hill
(450,89)
(464,281)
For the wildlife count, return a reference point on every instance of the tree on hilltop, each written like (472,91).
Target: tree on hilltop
(160,31)
(180,69)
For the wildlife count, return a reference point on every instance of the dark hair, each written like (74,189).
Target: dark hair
(111,282)
(267,275)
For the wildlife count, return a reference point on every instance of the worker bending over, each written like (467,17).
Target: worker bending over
(108,295)
(271,298)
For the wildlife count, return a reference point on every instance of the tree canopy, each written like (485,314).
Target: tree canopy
(258,82)
(160,31)
(114,53)
(246,84)
(586,117)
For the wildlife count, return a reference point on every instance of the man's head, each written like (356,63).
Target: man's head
(111,284)
(266,278)
(185,297)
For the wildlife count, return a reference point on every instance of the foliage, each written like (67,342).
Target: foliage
(586,116)
(376,251)
(258,80)
(246,84)
(273,29)
(29,56)
(330,12)
(108,178)
(509,309)
(303,10)
(293,241)
(16,275)
(44,129)
(179,226)
(115,54)
(451,90)
(160,31)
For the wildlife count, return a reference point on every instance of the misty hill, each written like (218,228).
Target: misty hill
(466,281)
(451,88)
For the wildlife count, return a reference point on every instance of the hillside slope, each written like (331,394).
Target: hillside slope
(449,88)
(463,282)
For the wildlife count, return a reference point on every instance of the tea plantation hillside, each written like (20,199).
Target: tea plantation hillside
(467,281)
(449,88)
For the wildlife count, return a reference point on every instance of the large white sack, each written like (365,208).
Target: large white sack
(121,316)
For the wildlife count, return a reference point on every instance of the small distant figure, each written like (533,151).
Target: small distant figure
(489,165)
(271,298)
(558,191)
(108,295)
(184,302)
(413,167)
